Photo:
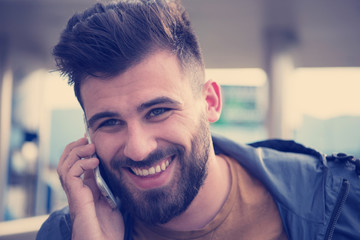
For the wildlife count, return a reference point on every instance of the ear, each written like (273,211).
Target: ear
(212,95)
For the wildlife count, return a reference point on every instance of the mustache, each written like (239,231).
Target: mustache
(152,158)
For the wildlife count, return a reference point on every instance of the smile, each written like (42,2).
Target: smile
(162,166)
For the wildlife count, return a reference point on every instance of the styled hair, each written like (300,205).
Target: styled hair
(106,40)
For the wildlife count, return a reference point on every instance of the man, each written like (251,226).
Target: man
(138,74)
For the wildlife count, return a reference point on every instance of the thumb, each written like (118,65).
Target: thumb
(89,180)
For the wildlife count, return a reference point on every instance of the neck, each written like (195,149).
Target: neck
(209,200)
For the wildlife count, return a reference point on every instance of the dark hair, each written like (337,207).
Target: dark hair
(105,40)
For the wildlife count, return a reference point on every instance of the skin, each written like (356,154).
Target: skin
(152,105)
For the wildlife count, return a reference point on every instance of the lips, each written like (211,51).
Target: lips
(157,168)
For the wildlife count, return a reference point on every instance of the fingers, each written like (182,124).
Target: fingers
(90,213)
(77,154)
(70,147)
(74,152)
(81,166)
(74,162)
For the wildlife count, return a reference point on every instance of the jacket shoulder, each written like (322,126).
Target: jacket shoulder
(313,191)
(56,227)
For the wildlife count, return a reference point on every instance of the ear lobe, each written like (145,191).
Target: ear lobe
(212,94)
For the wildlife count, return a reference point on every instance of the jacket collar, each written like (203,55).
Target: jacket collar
(292,173)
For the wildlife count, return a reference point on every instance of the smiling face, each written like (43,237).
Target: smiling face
(152,135)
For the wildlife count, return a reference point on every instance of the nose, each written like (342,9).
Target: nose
(140,142)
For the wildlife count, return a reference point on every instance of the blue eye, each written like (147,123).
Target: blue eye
(110,123)
(156,112)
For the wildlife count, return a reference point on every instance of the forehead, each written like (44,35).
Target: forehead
(159,74)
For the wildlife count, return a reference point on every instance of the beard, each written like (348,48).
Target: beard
(160,205)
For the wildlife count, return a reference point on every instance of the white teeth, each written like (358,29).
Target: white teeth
(151,170)
(163,166)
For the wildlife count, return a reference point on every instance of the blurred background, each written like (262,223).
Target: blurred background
(289,69)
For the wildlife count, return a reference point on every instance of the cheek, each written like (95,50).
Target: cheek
(178,129)
(107,146)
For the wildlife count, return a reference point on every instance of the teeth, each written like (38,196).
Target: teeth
(163,166)
(152,170)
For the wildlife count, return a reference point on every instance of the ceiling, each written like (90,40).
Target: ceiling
(232,33)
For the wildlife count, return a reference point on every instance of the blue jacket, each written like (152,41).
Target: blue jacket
(318,196)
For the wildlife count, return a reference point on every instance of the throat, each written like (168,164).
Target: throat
(210,200)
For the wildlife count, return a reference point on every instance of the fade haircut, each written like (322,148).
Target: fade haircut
(106,40)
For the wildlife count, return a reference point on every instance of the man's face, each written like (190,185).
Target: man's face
(152,136)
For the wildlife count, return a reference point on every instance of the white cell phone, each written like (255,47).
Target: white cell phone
(100,182)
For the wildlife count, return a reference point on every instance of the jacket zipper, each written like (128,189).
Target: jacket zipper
(344,192)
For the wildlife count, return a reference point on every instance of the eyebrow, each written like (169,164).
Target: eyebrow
(156,101)
(140,108)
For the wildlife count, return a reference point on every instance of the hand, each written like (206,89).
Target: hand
(91,215)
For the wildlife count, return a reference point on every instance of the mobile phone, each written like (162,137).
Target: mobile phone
(100,181)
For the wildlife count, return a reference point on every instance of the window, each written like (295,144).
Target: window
(244,95)
(325,109)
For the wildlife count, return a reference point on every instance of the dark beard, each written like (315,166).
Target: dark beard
(159,206)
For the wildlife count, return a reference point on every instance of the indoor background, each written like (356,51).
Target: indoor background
(289,69)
